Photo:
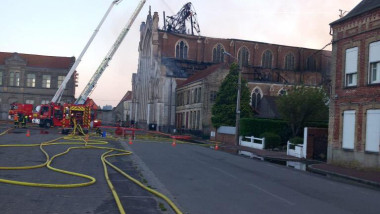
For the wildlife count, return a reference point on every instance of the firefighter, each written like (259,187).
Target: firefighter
(23,121)
(98,131)
(16,118)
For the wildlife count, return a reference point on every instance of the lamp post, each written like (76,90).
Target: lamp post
(237,124)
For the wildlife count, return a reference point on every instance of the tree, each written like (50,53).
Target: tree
(303,104)
(224,108)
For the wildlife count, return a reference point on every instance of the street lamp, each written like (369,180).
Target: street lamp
(237,125)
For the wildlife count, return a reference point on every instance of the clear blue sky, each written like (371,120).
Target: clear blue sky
(63,27)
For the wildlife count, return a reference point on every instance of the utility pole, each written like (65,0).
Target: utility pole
(237,124)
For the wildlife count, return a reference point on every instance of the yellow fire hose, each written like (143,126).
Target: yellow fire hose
(82,143)
(6,131)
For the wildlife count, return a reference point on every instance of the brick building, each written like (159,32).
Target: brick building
(195,97)
(166,59)
(354,125)
(122,112)
(32,79)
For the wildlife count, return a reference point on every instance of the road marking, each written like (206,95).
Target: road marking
(272,194)
(252,185)
(225,172)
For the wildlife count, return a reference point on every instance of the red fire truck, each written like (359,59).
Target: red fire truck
(84,110)
(21,110)
(53,114)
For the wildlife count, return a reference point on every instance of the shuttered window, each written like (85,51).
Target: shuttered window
(372,141)
(348,129)
(351,68)
(374,63)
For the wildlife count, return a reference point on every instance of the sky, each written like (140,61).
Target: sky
(62,28)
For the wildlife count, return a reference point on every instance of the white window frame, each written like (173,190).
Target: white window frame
(45,101)
(14,78)
(374,72)
(60,80)
(372,142)
(46,81)
(31,80)
(351,67)
(29,101)
(348,129)
(374,63)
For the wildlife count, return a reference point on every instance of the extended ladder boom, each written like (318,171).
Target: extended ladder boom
(91,84)
(58,95)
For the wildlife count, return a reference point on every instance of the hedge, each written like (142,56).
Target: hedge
(272,140)
(258,126)
(296,140)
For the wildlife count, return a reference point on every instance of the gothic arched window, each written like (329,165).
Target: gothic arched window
(217,54)
(289,62)
(181,50)
(255,98)
(267,59)
(243,56)
(311,65)
(282,92)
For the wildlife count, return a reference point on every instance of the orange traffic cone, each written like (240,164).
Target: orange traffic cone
(216,146)
(28,133)
(130,141)
(173,144)
(86,137)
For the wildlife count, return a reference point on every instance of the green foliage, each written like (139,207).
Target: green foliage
(316,124)
(224,108)
(257,126)
(272,140)
(296,140)
(303,104)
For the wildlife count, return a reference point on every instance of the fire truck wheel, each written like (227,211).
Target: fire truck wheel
(47,124)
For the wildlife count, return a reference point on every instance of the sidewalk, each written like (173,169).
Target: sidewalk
(370,177)
(362,176)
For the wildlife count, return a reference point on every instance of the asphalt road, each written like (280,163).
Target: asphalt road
(96,198)
(202,181)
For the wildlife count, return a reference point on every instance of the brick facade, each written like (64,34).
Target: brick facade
(162,63)
(359,29)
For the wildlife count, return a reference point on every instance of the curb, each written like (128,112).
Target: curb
(363,181)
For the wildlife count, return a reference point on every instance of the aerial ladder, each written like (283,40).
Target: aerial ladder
(103,65)
(51,114)
(58,95)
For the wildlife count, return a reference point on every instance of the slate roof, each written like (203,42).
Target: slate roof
(40,60)
(201,74)
(127,96)
(267,108)
(363,7)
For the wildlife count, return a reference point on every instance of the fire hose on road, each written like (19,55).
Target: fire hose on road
(79,142)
